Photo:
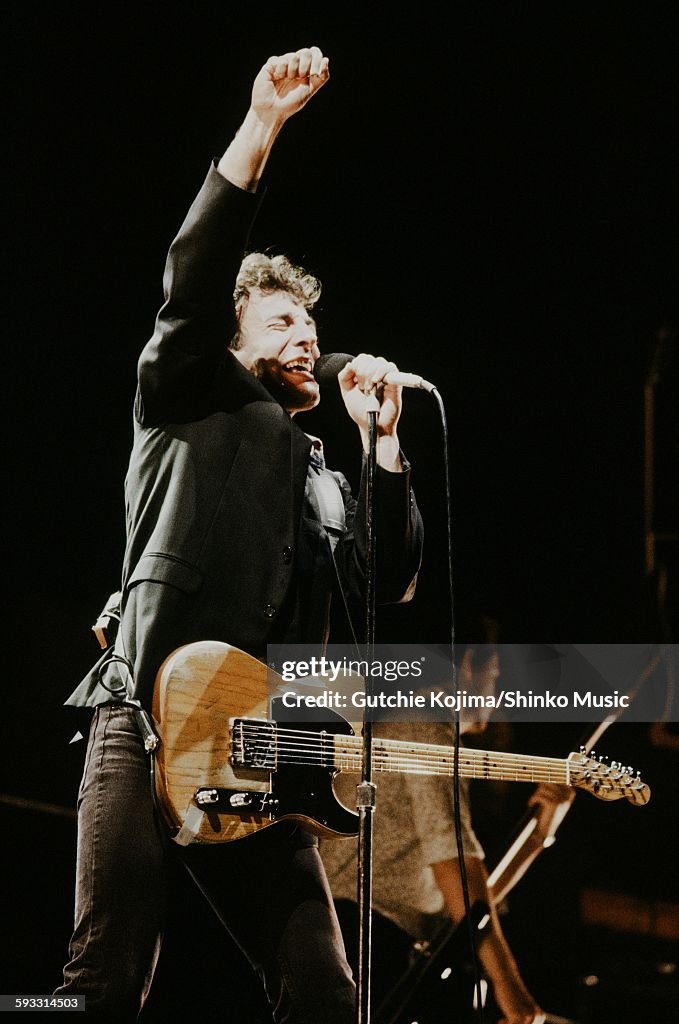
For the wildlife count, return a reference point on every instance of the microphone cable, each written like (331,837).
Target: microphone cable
(456,714)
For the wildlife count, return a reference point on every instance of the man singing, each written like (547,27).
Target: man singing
(237,532)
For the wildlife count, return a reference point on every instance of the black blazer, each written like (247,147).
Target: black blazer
(216,479)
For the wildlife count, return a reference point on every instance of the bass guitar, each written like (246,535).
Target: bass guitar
(228,765)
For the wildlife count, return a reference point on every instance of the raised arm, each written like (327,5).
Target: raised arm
(181,370)
(283,86)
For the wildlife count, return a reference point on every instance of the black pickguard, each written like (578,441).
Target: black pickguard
(307,789)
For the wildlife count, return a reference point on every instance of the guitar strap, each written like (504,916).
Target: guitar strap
(191,825)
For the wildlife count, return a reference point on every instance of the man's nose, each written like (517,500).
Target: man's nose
(305,337)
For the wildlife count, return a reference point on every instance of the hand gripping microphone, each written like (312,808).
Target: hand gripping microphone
(329,366)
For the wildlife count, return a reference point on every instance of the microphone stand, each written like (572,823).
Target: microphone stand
(366,791)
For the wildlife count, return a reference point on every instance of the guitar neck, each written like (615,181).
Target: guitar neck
(271,746)
(428,759)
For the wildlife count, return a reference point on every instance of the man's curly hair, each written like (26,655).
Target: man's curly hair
(272,274)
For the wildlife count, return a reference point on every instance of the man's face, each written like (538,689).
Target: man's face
(486,675)
(278,344)
(478,679)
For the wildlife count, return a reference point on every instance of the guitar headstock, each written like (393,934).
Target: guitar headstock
(606,781)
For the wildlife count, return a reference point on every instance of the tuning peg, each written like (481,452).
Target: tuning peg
(583,749)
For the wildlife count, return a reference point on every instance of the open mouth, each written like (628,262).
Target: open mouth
(303,368)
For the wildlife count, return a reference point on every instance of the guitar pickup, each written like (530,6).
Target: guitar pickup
(253,743)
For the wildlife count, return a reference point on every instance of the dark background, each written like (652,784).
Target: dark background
(490,199)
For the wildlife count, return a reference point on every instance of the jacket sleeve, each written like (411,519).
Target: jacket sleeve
(181,368)
(398,533)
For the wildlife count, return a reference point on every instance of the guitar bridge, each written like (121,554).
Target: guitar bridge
(253,743)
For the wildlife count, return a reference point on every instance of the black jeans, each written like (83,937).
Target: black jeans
(268,890)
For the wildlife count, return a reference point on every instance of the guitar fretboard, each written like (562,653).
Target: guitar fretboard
(270,746)
(425,759)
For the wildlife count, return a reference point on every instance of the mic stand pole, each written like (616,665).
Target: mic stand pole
(366,791)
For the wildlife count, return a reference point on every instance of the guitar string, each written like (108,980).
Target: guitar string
(482,764)
(405,756)
(353,743)
(421,754)
(385,761)
(544,775)
(469,771)
(441,767)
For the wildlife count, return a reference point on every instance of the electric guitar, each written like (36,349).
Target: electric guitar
(227,765)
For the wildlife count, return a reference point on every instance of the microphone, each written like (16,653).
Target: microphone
(328,368)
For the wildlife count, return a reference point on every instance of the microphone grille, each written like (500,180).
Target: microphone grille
(330,365)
